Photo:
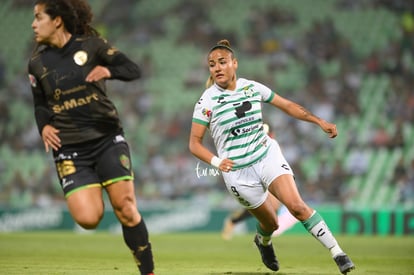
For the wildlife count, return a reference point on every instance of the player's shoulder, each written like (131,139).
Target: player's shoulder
(35,58)
(208,96)
(243,82)
(38,51)
(211,91)
(91,39)
(251,84)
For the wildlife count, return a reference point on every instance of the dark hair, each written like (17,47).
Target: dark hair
(222,44)
(76,15)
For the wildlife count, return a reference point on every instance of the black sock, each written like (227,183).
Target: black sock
(136,238)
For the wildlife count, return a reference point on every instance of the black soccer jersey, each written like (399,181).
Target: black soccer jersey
(81,110)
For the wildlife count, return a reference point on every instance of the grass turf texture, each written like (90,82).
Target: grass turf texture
(197,253)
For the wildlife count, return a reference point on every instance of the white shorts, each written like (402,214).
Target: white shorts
(249,185)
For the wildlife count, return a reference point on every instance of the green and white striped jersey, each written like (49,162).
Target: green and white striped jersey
(234,119)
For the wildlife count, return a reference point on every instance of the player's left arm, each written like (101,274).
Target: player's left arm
(299,112)
(114,64)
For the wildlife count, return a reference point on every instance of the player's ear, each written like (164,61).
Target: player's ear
(58,22)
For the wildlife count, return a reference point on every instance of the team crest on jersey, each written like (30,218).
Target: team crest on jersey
(125,161)
(206,112)
(111,51)
(80,58)
(248,91)
(32,80)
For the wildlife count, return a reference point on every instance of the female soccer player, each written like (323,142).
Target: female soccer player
(77,120)
(252,162)
(285,219)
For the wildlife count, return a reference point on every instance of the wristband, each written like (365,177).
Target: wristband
(215,161)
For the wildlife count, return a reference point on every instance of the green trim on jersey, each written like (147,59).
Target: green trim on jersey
(256,149)
(199,121)
(244,145)
(272,95)
(235,167)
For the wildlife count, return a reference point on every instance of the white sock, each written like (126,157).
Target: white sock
(318,228)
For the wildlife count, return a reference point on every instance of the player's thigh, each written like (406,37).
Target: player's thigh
(86,206)
(286,191)
(122,197)
(114,163)
(121,193)
(246,187)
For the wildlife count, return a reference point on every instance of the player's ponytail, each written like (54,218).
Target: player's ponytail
(84,18)
(209,82)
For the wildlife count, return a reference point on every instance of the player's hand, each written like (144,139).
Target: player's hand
(50,138)
(226,165)
(329,128)
(98,73)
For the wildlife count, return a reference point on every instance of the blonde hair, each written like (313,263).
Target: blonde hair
(222,44)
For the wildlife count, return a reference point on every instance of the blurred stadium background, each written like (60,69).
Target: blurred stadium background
(349,61)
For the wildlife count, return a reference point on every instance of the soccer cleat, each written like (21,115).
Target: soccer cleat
(268,255)
(344,263)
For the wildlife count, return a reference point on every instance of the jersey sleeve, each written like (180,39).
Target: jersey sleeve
(265,92)
(202,111)
(120,66)
(43,115)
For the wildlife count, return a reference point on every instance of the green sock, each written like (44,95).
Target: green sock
(265,238)
(318,228)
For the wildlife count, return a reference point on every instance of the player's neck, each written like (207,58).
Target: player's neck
(61,39)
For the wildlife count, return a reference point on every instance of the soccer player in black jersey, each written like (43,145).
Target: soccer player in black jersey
(78,121)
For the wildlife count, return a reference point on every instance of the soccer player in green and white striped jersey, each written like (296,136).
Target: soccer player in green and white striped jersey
(251,161)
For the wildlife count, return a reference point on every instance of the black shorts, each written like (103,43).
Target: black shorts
(95,163)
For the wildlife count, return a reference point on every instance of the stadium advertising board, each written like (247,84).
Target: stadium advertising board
(363,222)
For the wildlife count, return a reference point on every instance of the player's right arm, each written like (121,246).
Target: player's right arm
(43,115)
(196,143)
(200,151)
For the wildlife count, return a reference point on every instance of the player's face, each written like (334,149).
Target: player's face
(43,26)
(223,68)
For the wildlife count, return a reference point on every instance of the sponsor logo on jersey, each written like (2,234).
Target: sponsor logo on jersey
(206,112)
(239,131)
(80,58)
(74,103)
(58,92)
(32,80)
(66,183)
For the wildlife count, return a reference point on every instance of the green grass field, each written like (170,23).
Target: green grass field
(197,253)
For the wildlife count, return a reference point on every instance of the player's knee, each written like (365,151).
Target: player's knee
(299,210)
(88,221)
(127,213)
(270,225)
(273,226)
